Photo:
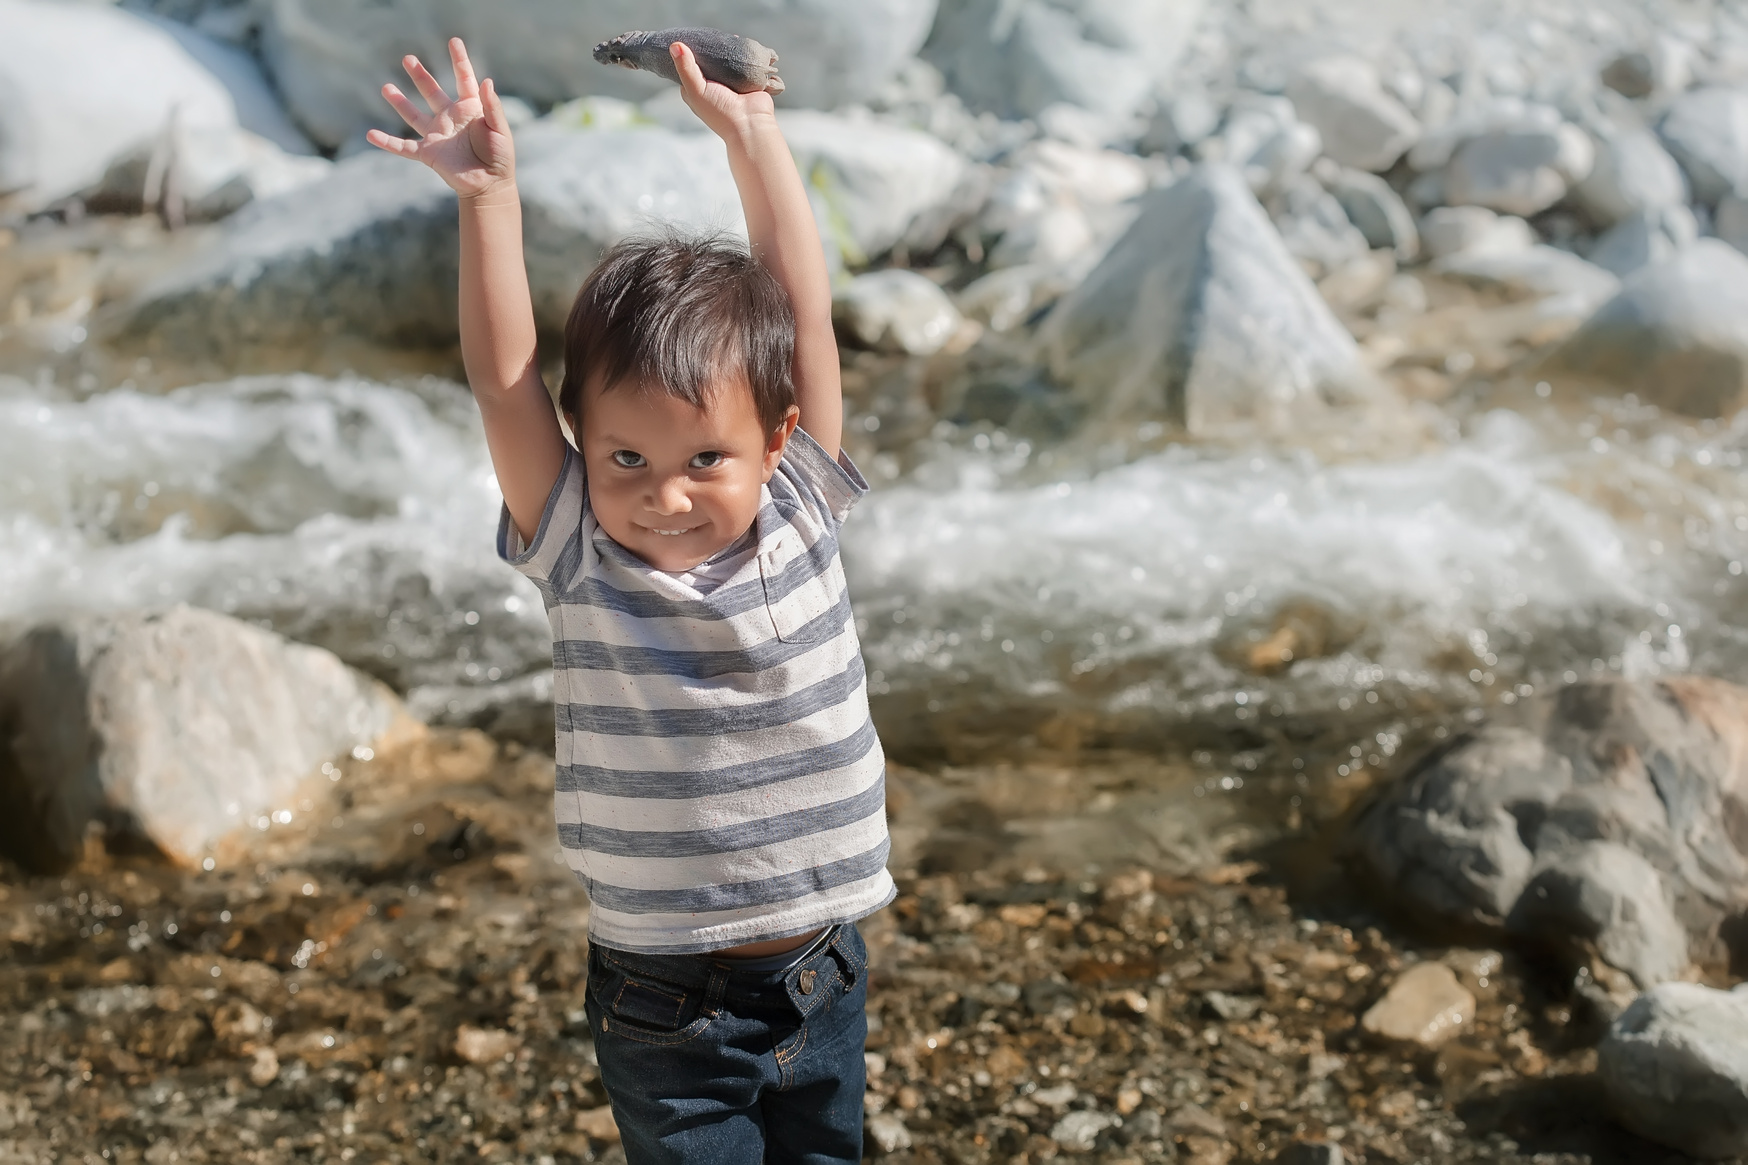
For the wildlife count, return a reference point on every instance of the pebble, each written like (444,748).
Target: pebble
(1425,1006)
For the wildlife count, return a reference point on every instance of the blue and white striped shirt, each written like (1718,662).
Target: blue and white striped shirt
(719,779)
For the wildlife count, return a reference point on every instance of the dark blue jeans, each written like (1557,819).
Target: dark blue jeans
(703,1062)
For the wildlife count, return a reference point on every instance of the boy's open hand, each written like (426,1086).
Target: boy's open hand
(466,140)
(728,114)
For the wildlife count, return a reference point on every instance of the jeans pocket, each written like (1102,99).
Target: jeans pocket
(644,1006)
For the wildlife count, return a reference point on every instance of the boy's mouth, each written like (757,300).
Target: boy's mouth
(669,533)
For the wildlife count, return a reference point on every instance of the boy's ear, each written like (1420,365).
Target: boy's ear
(779,440)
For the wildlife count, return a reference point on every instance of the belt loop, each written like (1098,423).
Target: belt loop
(715,988)
(840,947)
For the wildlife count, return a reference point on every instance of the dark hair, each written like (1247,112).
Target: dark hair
(679,315)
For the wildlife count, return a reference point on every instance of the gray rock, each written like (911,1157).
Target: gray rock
(1662,69)
(1266,142)
(1200,316)
(1016,58)
(1519,171)
(1180,123)
(1078,1132)
(1675,1066)
(1361,123)
(1707,131)
(331,57)
(1731,221)
(1315,228)
(896,311)
(1643,238)
(1453,230)
(881,183)
(178,729)
(370,252)
(1605,893)
(1633,173)
(1615,797)
(1375,209)
(1006,298)
(1438,145)
(1565,285)
(1676,334)
(90,85)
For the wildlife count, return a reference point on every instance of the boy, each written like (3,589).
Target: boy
(720,786)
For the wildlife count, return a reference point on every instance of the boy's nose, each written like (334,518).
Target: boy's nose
(670,497)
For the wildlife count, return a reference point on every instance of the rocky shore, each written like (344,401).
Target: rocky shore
(399,976)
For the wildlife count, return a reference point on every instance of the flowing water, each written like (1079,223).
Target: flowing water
(1008,595)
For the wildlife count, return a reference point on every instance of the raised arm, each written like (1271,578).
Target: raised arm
(467,142)
(783,234)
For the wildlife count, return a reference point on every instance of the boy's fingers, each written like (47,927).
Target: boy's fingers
(427,85)
(466,85)
(691,76)
(409,112)
(495,119)
(392,144)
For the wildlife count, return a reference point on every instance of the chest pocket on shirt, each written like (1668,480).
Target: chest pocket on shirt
(797,612)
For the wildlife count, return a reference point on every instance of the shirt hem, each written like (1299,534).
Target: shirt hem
(741,933)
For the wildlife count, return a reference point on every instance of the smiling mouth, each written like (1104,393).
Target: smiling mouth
(669,533)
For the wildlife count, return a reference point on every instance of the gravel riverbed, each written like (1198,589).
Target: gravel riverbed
(397,975)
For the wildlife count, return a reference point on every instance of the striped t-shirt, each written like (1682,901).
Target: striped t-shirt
(719,778)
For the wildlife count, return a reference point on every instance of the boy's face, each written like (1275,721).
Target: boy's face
(672,483)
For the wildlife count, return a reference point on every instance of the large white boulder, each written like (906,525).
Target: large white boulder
(1675,1066)
(331,57)
(89,85)
(1016,58)
(1633,173)
(1519,171)
(878,181)
(370,252)
(1199,315)
(1707,131)
(178,728)
(1676,334)
(1362,124)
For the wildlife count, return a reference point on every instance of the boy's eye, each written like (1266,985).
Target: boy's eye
(706,460)
(626,459)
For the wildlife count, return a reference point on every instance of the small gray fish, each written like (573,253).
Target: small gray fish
(741,63)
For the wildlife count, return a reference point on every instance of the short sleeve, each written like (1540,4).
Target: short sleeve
(560,532)
(834,486)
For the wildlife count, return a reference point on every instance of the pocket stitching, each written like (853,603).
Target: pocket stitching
(679,1000)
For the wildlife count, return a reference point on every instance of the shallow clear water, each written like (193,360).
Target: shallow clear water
(1237,589)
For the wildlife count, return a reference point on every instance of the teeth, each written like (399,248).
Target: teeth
(669,533)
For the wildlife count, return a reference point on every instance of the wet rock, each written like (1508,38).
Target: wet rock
(1199,315)
(880,182)
(1605,890)
(370,251)
(479,1045)
(1078,1132)
(1707,132)
(888,1132)
(1451,230)
(177,729)
(1564,284)
(1018,59)
(1633,174)
(1676,334)
(897,311)
(1375,208)
(1675,1065)
(1515,809)
(598,1125)
(331,57)
(1361,123)
(1519,171)
(1643,238)
(1425,1006)
(93,85)
(1311,1153)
